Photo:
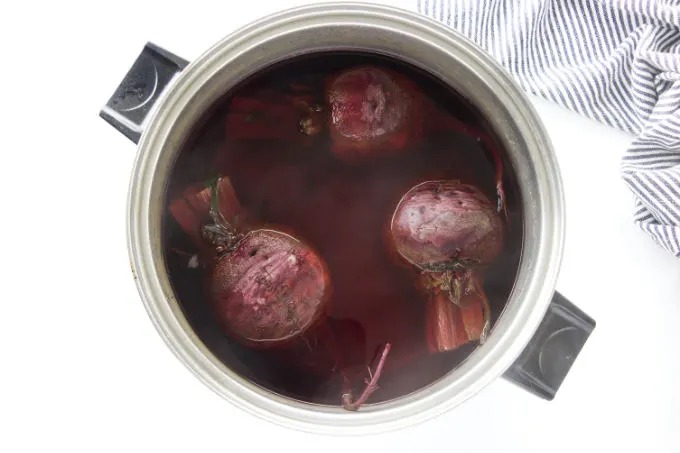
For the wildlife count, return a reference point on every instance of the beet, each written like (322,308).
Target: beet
(270,290)
(266,287)
(373,111)
(439,224)
(449,231)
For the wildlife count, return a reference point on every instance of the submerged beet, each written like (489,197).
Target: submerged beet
(266,287)
(449,231)
(269,288)
(373,111)
(440,224)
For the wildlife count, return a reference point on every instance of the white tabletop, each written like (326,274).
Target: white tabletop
(84,368)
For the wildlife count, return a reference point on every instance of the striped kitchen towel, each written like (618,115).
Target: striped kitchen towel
(614,61)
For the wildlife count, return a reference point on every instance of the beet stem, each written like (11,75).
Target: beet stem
(215,212)
(479,289)
(222,234)
(499,183)
(371,386)
(455,287)
(447,303)
(441,326)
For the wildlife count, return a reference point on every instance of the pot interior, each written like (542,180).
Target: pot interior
(294,181)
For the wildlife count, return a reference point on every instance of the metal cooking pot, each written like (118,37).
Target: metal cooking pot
(539,333)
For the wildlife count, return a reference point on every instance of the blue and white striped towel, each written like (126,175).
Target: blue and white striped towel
(614,61)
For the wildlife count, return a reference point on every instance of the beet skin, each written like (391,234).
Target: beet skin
(450,231)
(266,287)
(438,224)
(373,112)
(270,289)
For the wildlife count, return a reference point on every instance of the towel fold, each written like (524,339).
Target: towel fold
(614,61)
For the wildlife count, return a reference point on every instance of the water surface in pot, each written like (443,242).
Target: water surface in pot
(271,136)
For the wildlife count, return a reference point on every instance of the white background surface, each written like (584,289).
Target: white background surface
(83,368)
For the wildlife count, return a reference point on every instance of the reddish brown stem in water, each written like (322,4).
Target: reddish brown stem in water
(445,331)
(192,209)
(371,385)
(455,317)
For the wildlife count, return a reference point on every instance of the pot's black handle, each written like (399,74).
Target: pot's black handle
(548,357)
(143,85)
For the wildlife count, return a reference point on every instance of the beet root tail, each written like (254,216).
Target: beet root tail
(371,384)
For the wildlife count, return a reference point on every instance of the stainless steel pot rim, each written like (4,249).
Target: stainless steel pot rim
(399,32)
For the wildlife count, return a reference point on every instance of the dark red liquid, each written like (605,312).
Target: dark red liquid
(343,211)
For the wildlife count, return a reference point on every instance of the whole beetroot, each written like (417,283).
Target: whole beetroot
(267,286)
(373,111)
(269,289)
(445,225)
(449,231)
